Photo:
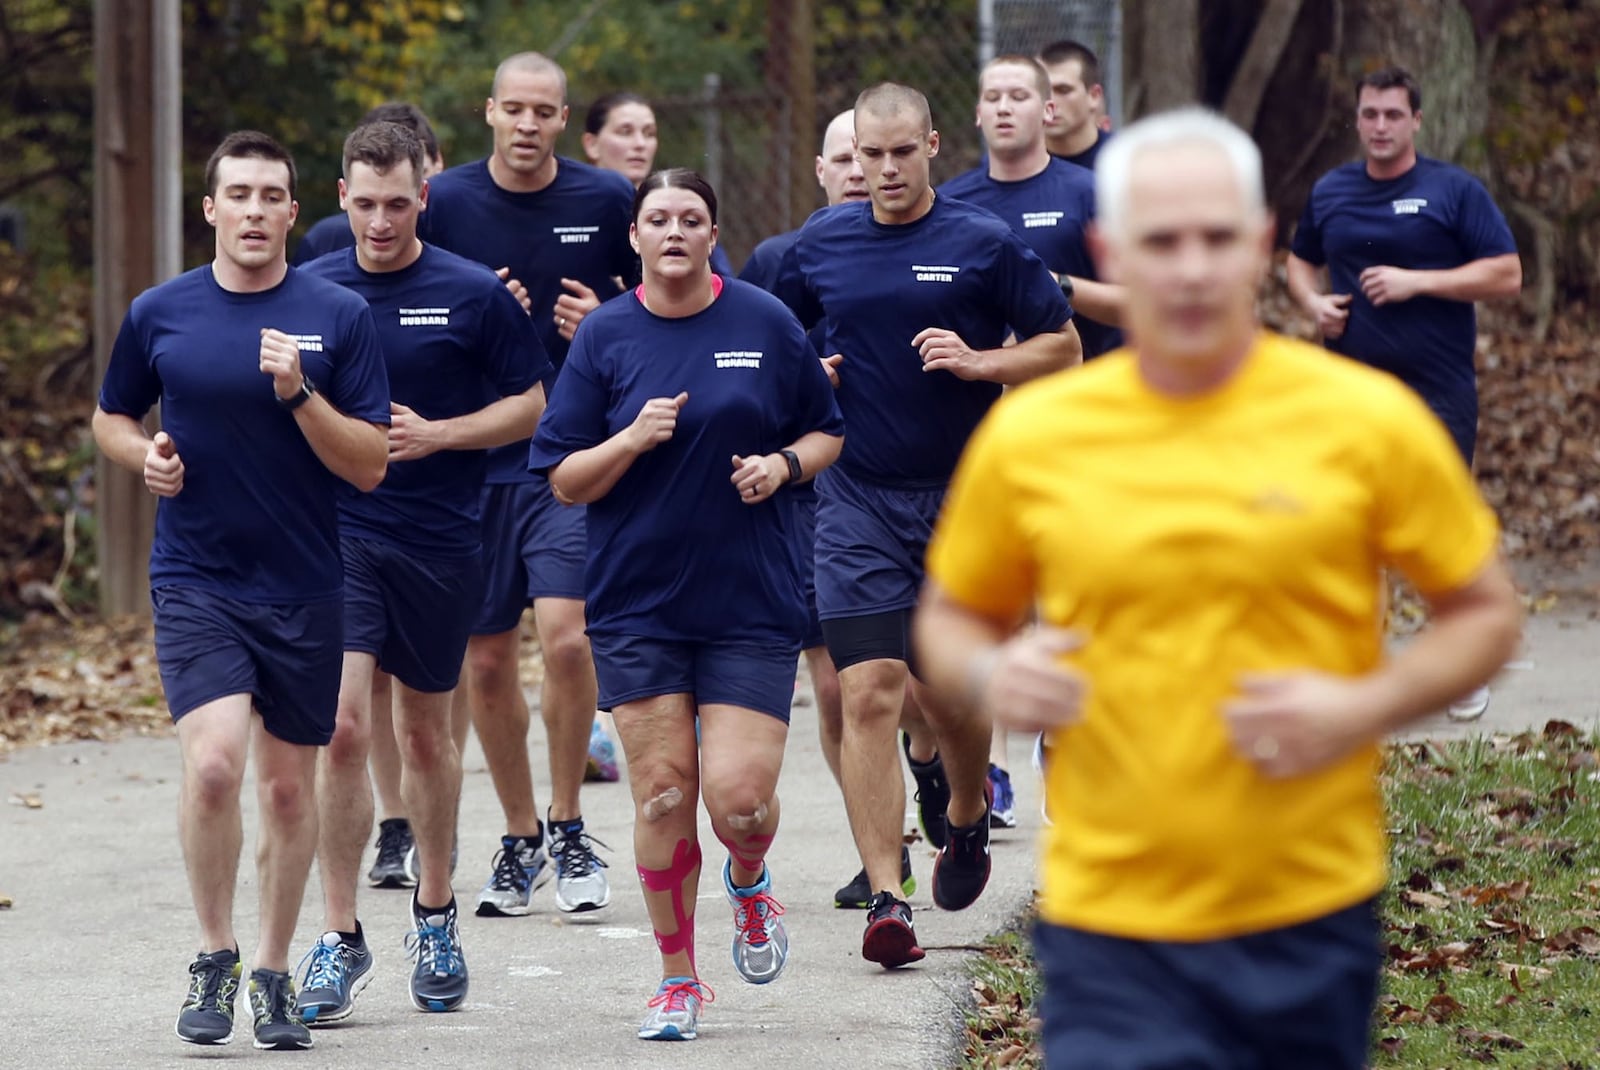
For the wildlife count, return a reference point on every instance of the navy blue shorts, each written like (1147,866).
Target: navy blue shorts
(1301,996)
(745,674)
(412,612)
(807,514)
(871,541)
(533,547)
(287,657)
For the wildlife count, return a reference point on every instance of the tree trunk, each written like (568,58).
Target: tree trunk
(1161,40)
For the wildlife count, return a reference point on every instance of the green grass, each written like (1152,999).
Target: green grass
(1492,918)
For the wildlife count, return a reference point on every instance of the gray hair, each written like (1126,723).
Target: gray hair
(1186,126)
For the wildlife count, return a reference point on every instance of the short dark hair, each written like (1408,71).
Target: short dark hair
(1392,78)
(249,144)
(676,178)
(891,98)
(1065,49)
(600,110)
(409,116)
(383,146)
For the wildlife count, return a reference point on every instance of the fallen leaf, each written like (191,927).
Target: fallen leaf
(29,800)
(1010,1055)
(5,902)
(1425,900)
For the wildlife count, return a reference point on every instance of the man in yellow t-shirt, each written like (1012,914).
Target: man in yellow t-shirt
(1202,520)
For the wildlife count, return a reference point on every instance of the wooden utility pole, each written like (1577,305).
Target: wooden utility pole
(792,84)
(137,238)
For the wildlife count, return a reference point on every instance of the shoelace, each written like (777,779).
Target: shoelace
(276,1000)
(206,988)
(674,996)
(509,874)
(435,949)
(322,967)
(575,855)
(752,915)
(391,847)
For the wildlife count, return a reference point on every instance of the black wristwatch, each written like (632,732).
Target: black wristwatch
(299,397)
(796,473)
(1066,284)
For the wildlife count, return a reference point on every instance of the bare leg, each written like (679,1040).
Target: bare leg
(568,701)
(963,742)
(500,715)
(874,788)
(830,708)
(286,780)
(664,774)
(344,793)
(741,754)
(214,741)
(431,784)
(385,759)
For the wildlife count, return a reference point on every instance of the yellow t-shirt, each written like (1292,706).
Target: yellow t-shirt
(1192,541)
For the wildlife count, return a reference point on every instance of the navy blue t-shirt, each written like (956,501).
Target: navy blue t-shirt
(324,236)
(447,326)
(256,519)
(574,228)
(1087,157)
(673,552)
(1050,212)
(1435,216)
(877,286)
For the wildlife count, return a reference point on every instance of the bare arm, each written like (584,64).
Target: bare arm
(944,350)
(758,478)
(588,475)
(123,440)
(1330,311)
(500,423)
(1477,280)
(1100,301)
(354,450)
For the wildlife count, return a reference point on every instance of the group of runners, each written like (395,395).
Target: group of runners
(528,380)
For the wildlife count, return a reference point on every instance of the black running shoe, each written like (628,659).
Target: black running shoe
(207,1014)
(890,941)
(277,1016)
(439,976)
(962,869)
(394,844)
(933,794)
(858,893)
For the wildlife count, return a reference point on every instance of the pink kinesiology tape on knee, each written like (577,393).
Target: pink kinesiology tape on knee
(685,861)
(748,851)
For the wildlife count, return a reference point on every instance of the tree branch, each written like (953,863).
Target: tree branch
(1260,60)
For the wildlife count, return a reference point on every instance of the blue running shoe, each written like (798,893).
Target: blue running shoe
(760,940)
(674,1011)
(1004,814)
(332,974)
(519,868)
(439,978)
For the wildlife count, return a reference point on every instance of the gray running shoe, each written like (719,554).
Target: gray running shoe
(674,1012)
(207,1014)
(760,940)
(519,868)
(333,973)
(277,1021)
(581,884)
(391,869)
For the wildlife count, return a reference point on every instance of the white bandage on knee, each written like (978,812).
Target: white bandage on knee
(749,822)
(661,805)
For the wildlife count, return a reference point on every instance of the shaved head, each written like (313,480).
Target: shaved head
(888,99)
(840,131)
(529,63)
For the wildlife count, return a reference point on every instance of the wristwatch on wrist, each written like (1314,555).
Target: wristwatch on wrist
(299,397)
(796,473)
(1066,284)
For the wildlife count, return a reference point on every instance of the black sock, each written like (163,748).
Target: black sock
(424,911)
(355,939)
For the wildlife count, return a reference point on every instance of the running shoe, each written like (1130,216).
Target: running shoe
(1041,759)
(1470,708)
(933,794)
(332,974)
(519,868)
(760,940)
(414,860)
(581,884)
(602,764)
(439,976)
(961,871)
(674,1011)
(391,870)
(890,941)
(277,1021)
(1004,813)
(858,893)
(207,1014)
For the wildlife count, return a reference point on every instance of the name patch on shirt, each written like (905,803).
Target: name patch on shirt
(424,317)
(574,235)
(738,358)
(308,343)
(1409,205)
(935,272)
(1041,219)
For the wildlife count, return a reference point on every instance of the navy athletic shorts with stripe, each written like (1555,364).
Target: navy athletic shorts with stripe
(287,657)
(751,675)
(1301,996)
(410,611)
(533,547)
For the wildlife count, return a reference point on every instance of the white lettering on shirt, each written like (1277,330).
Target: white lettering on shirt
(308,343)
(1041,219)
(738,358)
(1409,205)
(571,235)
(935,272)
(424,317)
